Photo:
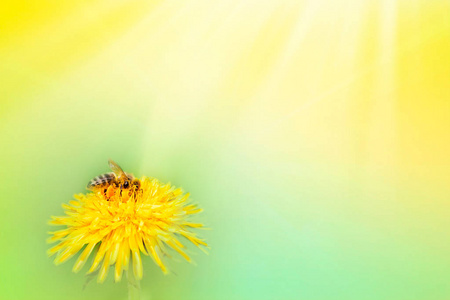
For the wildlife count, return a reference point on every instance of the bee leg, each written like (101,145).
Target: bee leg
(104,194)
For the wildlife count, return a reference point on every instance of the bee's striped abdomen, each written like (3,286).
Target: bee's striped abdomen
(101,180)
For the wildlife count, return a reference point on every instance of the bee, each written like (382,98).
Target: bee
(108,183)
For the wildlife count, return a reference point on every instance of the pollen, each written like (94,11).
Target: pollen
(116,230)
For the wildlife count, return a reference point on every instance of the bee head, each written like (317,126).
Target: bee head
(126,183)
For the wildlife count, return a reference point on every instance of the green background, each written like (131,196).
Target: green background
(313,133)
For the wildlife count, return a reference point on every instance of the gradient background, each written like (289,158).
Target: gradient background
(314,133)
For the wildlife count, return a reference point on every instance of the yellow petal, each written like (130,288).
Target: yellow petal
(126,255)
(114,253)
(104,269)
(119,260)
(137,265)
(83,257)
(67,253)
(141,244)
(157,259)
(176,248)
(98,258)
(133,244)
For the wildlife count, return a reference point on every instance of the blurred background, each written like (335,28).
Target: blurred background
(315,134)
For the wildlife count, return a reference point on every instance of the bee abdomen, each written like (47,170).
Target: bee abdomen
(101,180)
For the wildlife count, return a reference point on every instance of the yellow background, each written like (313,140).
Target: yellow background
(314,133)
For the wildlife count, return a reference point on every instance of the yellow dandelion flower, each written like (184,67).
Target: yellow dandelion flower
(124,225)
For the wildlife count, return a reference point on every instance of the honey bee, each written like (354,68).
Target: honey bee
(108,183)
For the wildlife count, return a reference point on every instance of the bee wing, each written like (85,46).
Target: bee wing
(115,168)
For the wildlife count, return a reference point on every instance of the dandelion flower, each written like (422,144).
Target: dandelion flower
(150,222)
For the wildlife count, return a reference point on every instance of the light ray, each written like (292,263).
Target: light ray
(383,116)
